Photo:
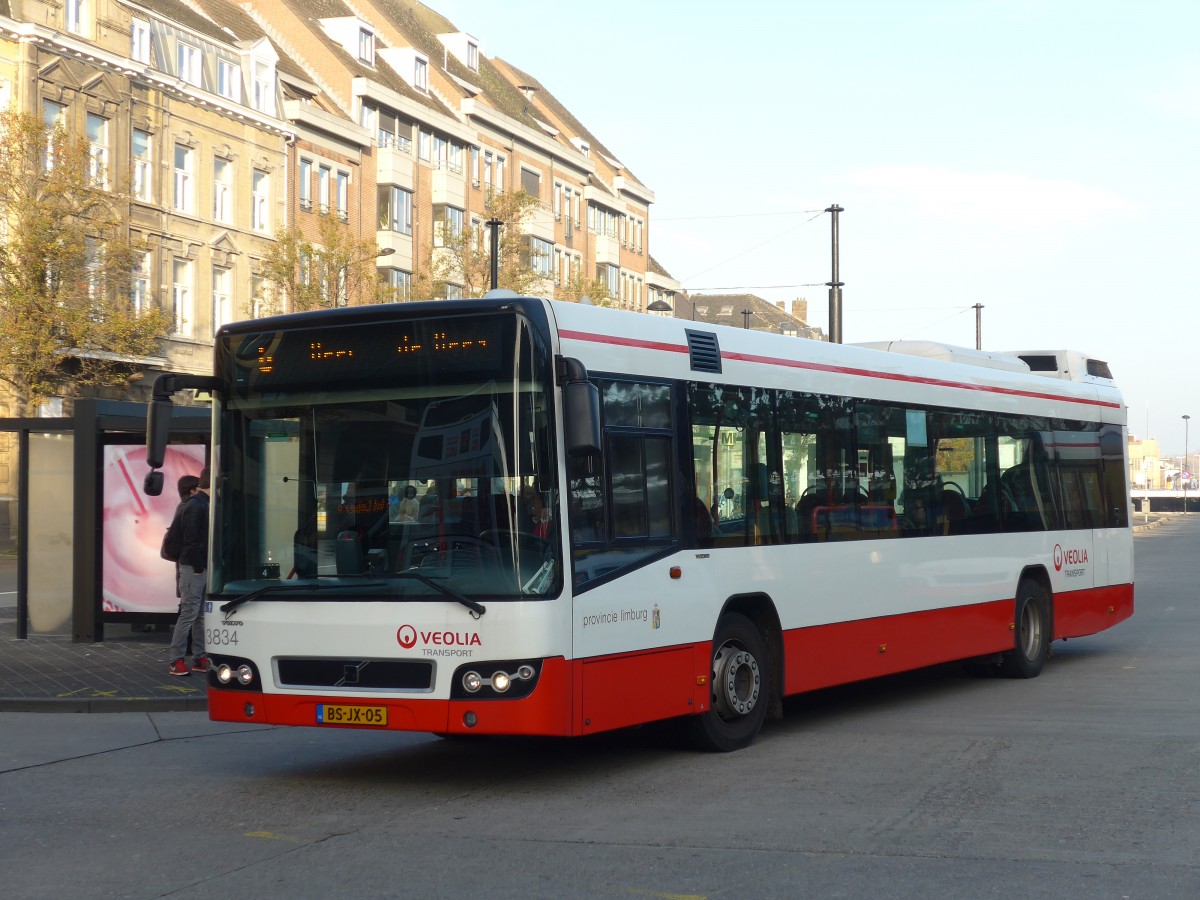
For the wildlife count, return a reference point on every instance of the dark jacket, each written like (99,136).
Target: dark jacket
(195,533)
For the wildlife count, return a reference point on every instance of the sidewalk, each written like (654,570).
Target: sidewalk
(125,673)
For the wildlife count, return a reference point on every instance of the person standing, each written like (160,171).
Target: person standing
(193,563)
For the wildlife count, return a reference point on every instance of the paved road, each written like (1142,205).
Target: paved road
(1082,783)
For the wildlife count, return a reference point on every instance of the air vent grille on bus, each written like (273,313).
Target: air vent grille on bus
(704,351)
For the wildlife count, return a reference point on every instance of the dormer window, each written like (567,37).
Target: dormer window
(410,64)
(464,47)
(366,46)
(261,83)
(189,63)
(582,146)
(139,40)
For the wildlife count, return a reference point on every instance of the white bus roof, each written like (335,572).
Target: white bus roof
(920,372)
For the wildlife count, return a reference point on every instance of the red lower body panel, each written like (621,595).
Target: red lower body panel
(587,696)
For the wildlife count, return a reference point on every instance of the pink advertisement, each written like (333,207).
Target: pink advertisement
(135,578)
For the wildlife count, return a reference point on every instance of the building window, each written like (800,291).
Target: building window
(184,179)
(475,167)
(395,209)
(421,75)
(323,188)
(447,225)
(531,182)
(400,283)
(424,145)
(189,63)
(222,190)
(75,13)
(306,185)
(229,80)
(222,302)
(181,297)
(343,195)
(93,255)
(366,46)
(541,255)
(139,41)
(611,276)
(263,97)
(143,167)
(487,170)
(97,133)
(260,219)
(500,173)
(454,158)
(139,283)
(258,296)
(472,56)
(53,116)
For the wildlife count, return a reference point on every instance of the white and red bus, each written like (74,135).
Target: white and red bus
(626,518)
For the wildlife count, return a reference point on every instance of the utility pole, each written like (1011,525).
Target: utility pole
(835,286)
(494,224)
(978,326)
(746,314)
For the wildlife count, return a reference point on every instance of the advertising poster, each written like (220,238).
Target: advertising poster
(135,579)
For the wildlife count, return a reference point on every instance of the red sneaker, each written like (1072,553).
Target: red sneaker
(200,664)
(179,667)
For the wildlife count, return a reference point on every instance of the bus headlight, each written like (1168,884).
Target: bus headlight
(511,679)
(224,673)
(245,674)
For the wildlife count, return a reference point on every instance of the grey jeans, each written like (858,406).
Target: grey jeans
(191,613)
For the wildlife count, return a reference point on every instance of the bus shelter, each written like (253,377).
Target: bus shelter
(73,511)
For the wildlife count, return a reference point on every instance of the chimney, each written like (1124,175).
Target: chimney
(800,310)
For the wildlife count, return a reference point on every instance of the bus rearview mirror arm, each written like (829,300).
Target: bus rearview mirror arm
(158,421)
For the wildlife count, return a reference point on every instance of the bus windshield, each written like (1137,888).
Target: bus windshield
(408,448)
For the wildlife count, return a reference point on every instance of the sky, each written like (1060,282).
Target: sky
(1038,157)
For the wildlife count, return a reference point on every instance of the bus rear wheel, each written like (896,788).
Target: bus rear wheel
(1031,640)
(741,687)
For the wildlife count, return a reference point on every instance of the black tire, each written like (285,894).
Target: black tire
(1031,634)
(741,688)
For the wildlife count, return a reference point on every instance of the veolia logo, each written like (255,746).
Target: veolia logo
(407,636)
(1070,557)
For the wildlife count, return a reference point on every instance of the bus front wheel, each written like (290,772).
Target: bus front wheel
(741,687)
(1031,641)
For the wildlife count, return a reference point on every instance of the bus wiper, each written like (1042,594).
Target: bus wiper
(277,588)
(477,609)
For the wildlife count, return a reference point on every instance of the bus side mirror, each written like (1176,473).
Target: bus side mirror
(581,408)
(158,422)
(158,430)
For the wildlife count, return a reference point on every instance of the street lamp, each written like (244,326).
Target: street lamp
(1184,470)
(660,306)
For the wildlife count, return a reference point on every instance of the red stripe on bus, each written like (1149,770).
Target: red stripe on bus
(640,344)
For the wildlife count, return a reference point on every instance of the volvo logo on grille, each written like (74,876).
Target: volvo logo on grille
(351,672)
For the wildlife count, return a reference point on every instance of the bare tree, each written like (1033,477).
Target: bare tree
(66,264)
